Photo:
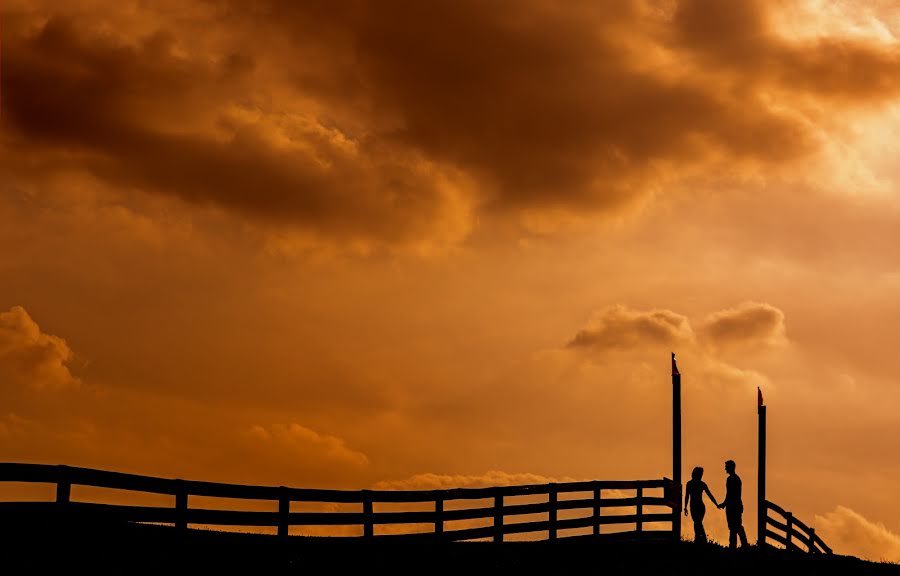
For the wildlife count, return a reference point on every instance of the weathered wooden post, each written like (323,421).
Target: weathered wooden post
(676,447)
(761,496)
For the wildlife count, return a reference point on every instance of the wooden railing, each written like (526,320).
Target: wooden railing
(792,532)
(368,518)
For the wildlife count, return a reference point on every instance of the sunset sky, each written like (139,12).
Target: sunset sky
(436,244)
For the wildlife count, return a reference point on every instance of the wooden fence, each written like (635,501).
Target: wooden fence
(597,509)
(792,531)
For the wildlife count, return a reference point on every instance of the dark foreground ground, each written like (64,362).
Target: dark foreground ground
(29,547)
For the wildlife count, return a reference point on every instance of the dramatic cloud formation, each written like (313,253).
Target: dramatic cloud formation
(621,327)
(30,357)
(848,532)
(144,115)
(739,38)
(399,122)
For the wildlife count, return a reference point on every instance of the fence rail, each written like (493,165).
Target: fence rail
(791,531)
(182,515)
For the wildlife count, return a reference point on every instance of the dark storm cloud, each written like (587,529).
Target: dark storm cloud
(130,112)
(399,120)
(737,37)
(552,104)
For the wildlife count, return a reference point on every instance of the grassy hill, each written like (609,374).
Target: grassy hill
(31,546)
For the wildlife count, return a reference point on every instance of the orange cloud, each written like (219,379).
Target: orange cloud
(30,357)
(141,114)
(738,37)
(375,124)
(296,439)
(849,532)
(431,481)
(748,324)
(620,327)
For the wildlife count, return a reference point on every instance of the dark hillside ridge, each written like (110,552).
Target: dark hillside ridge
(38,546)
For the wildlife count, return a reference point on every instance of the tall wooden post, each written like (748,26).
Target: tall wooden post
(761,496)
(676,446)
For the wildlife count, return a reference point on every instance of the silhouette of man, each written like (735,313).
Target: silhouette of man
(693,498)
(734,507)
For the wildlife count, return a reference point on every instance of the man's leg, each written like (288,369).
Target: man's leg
(732,538)
(743,536)
(739,526)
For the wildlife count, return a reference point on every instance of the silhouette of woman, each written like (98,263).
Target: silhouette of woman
(693,498)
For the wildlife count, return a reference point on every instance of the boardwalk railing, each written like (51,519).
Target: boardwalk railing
(594,508)
(792,532)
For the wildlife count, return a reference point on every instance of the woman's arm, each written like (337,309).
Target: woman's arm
(687,499)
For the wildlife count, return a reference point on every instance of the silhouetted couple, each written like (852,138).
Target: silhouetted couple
(734,507)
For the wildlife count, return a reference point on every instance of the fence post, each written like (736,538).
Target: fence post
(789,518)
(368,517)
(671,496)
(439,515)
(640,509)
(812,540)
(498,518)
(284,512)
(63,485)
(552,500)
(181,502)
(597,511)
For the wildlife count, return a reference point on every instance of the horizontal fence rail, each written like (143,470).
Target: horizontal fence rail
(791,532)
(624,503)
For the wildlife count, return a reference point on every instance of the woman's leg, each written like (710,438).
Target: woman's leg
(697,513)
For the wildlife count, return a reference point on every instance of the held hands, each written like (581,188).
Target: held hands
(685,511)
(722,505)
